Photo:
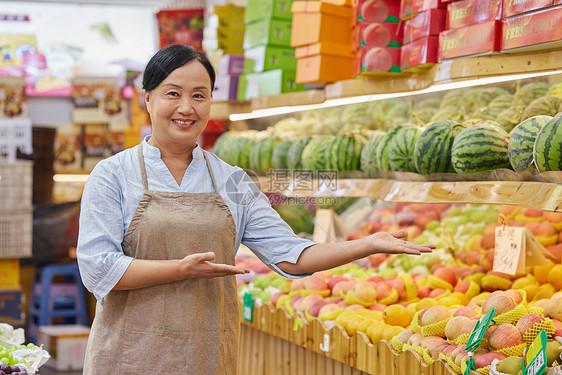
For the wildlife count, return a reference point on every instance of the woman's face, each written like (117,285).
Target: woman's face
(180,105)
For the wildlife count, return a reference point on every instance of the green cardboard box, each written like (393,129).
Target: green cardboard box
(272,82)
(268,32)
(264,58)
(261,9)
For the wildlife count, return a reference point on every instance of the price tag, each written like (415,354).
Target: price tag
(478,332)
(534,357)
(248,307)
(515,248)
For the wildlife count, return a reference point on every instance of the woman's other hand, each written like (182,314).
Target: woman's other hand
(200,265)
(395,243)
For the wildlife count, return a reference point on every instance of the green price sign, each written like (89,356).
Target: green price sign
(248,307)
(476,337)
(534,357)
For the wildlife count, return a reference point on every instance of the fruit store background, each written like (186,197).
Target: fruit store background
(353,116)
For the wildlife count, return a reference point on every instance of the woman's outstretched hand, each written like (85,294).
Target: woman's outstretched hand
(395,243)
(201,266)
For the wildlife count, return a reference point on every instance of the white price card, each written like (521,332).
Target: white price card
(515,248)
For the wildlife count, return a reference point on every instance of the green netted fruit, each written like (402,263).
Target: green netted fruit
(428,103)
(509,118)
(453,98)
(555,90)
(502,101)
(448,113)
(545,106)
(480,97)
(529,92)
(487,113)
(421,116)
(297,216)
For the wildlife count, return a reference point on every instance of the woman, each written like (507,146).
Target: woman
(159,227)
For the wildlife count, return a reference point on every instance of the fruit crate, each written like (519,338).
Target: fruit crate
(276,343)
(16,185)
(16,232)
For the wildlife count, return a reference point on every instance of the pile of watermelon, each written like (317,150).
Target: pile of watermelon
(465,131)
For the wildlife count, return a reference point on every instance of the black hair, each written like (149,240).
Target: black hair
(168,59)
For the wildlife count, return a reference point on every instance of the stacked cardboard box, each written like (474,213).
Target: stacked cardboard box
(377,36)
(531,25)
(474,28)
(224,30)
(269,60)
(421,39)
(321,35)
(230,67)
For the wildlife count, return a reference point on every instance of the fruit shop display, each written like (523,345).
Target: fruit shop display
(17,357)
(464,131)
(430,304)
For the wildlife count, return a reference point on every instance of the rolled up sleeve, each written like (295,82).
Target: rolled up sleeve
(100,256)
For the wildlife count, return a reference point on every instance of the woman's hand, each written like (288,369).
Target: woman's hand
(200,266)
(395,243)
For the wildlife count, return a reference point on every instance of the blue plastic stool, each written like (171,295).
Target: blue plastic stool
(51,300)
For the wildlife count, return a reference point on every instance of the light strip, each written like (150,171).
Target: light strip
(70,177)
(259,113)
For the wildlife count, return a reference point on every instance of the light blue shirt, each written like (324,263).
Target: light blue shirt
(114,189)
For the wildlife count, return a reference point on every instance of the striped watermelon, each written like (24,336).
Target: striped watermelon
(218,147)
(510,118)
(261,155)
(555,90)
(368,158)
(480,147)
(432,153)
(344,153)
(314,154)
(522,141)
(237,151)
(381,153)
(401,150)
(547,151)
(279,160)
(295,153)
(529,92)
(546,105)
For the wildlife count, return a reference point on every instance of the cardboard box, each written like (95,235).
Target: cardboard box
(419,55)
(468,12)
(264,58)
(376,10)
(512,8)
(268,32)
(478,39)
(428,23)
(226,88)
(9,273)
(377,34)
(319,22)
(533,31)
(322,63)
(262,9)
(66,344)
(231,65)
(377,61)
(272,82)
(10,303)
(409,8)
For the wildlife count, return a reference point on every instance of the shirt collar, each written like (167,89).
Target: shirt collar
(152,152)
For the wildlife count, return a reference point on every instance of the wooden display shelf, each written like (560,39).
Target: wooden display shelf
(221,110)
(276,343)
(290,99)
(540,195)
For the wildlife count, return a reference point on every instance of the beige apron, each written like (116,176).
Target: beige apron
(183,327)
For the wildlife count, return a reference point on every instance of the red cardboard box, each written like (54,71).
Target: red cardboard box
(420,54)
(376,10)
(512,8)
(377,61)
(431,22)
(537,30)
(481,38)
(468,12)
(409,8)
(377,34)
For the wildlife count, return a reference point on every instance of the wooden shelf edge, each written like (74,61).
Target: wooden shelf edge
(540,195)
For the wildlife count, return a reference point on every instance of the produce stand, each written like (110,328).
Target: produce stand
(274,342)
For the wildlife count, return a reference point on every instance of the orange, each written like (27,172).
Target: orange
(365,324)
(555,276)
(541,272)
(353,323)
(396,315)
(375,332)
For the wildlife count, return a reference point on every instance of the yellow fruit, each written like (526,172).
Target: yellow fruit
(531,291)
(375,332)
(555,276)
(449,301)
(411,308)
(396,315)
(391,331)
(541,272)
(424,303)
(522,282)
(461,297)
(353,323)
(344,317)
(365,324)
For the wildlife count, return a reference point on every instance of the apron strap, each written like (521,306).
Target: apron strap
(210,171)
(142,168)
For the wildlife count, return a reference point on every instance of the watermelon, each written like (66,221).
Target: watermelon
(480,147)
(261,155)
(422,116)
(448,113)
(295,152)
(401,149)
(297,216)
(509,118)
(555,90)
(502,101)
(381,153)
(314,154)
(529,92)
(522,141)
(432,153)
(547,151)
(279,159)
(238,151)
(368,159)
(476,98)
(453,98)
(344,153)
(546,105)
(218,147)
(428,103)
